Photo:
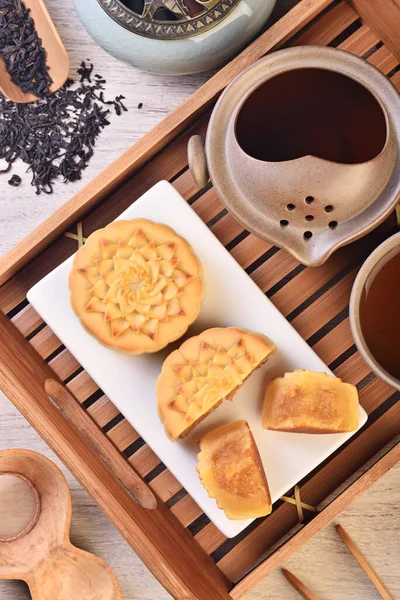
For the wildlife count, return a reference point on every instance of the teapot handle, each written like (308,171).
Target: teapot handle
(198,161)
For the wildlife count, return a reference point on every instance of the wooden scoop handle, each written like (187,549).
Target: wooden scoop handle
(93,437)
(73,574)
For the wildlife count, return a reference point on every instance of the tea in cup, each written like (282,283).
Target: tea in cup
(375,311)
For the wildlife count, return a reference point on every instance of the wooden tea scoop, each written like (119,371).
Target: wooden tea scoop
(92,436)
(42,554)
(364,564)
(299,586)
(57,57)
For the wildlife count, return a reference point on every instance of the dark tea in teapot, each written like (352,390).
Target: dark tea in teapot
(311,112)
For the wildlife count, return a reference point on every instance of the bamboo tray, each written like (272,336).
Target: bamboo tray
(188,555)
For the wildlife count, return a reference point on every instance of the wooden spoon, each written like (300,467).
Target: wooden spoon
(42,555)
(57,57)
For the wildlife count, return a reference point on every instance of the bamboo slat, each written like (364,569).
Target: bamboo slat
(208,206)
(82,386)
(360,42)
(144,460)
(184,184)
(165,485)
(186,510)
(383,60)
(249,250)
(334,300)
(272,271)
(123,435)
(334,343)
(396,79)
(64,364)
(353,370)
(329,26)
(27,320)
(227,229)
(383,18)
(45,342)
(103,411)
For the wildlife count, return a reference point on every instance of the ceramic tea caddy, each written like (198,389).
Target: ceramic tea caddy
(174,37)
(303,150)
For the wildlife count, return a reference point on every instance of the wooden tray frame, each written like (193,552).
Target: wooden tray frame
(187,554)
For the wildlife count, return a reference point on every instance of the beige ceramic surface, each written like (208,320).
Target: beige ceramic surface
(43,556)
(308,205)
(57,57)
(377,259)
(197,161)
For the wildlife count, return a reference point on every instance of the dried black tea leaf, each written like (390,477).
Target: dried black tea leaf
(22,50)
(56,135)
(15,181)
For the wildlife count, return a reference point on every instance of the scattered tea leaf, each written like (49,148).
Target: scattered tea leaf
(15,181)
(56,135)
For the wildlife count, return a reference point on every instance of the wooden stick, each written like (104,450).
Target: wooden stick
(299,586)
(92,436)
(364,564)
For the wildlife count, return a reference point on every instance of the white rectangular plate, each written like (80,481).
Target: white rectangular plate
(231,298)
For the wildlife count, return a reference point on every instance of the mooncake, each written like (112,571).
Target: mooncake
(205,370)
(307,402)
(230,468)
(136,285)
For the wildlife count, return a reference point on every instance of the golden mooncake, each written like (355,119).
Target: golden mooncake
(306,402)
(136,285)
(204,371)
(231,470)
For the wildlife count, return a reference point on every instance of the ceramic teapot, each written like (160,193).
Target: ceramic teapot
(303,149)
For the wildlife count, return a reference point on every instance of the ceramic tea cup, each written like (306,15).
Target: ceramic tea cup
(303,149)
(364,281)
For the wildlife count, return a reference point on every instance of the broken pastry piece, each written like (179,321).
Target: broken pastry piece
(206,369)
(231,470)
(306,402)
(136,285)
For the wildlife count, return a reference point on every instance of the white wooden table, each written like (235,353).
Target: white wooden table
(324,563)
